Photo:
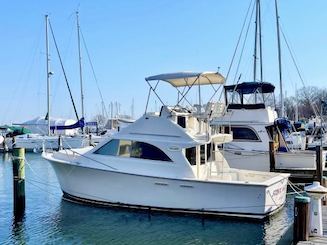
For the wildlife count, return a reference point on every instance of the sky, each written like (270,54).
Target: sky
(129,40)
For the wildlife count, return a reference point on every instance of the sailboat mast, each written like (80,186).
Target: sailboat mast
(279,63)
(255,42)
(48,71)
(80,63)
(260,41)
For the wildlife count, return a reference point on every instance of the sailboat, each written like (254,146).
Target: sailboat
(169,161)
(51,140)
(252,119)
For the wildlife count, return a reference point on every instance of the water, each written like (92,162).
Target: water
(51,220)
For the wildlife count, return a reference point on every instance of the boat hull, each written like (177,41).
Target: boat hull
(259,161)
(178,195)
(37,143)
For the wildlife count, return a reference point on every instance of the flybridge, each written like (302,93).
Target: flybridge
(250,95)
(193,118)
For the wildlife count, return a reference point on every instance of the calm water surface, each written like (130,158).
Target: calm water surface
(51,220)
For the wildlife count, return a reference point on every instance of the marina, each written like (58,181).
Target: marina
(150,123)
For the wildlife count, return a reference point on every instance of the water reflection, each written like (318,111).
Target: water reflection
(18,232)
(5,157)
(87,224)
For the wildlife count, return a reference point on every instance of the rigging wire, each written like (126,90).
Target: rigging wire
(235,50)
(93,72)
(237,45)
(56,80)
(298,70)
(243,47)
(63,69)
(239,39)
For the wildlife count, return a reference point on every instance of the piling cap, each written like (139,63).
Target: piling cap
(315,187)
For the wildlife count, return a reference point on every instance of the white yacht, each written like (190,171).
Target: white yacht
(169,161)
(251,117)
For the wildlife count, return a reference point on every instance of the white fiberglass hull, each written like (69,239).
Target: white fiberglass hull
(37,142)
(252,160)
(182,195)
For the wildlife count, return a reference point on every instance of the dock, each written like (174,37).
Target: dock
(288,235)
(314,241)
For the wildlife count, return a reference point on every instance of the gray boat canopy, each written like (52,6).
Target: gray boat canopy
(188,79)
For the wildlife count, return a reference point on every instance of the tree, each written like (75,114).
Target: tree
(308,99)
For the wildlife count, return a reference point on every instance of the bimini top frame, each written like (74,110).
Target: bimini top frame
(250,95)
(186,80)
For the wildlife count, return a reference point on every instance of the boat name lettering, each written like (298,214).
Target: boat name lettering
(279,191)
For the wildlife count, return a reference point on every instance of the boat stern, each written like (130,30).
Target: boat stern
(275,193)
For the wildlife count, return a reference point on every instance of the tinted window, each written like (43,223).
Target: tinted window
(226,130)
(190,154)
(181,121)
(243,133)
(202,154)
(135,149)
(111,148)
(209,150)
(147,151)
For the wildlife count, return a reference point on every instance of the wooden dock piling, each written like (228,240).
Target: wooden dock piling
(19,181)
(272,156)
(301,219)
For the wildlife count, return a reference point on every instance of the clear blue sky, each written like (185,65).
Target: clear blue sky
(129,40)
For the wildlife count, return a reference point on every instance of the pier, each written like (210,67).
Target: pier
(319,240)
(300,175)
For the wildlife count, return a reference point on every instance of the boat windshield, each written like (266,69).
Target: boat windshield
(250,95)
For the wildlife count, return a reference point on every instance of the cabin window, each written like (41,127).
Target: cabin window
(190,154)
(242,133)
(181,121)
(125,148)
(209,150)
(147,151)
(202,154)
(111,148)
(133,149)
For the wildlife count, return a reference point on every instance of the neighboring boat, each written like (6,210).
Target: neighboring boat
(53,133)
(169,161)
(251,117)
(36,142)
(65,135)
